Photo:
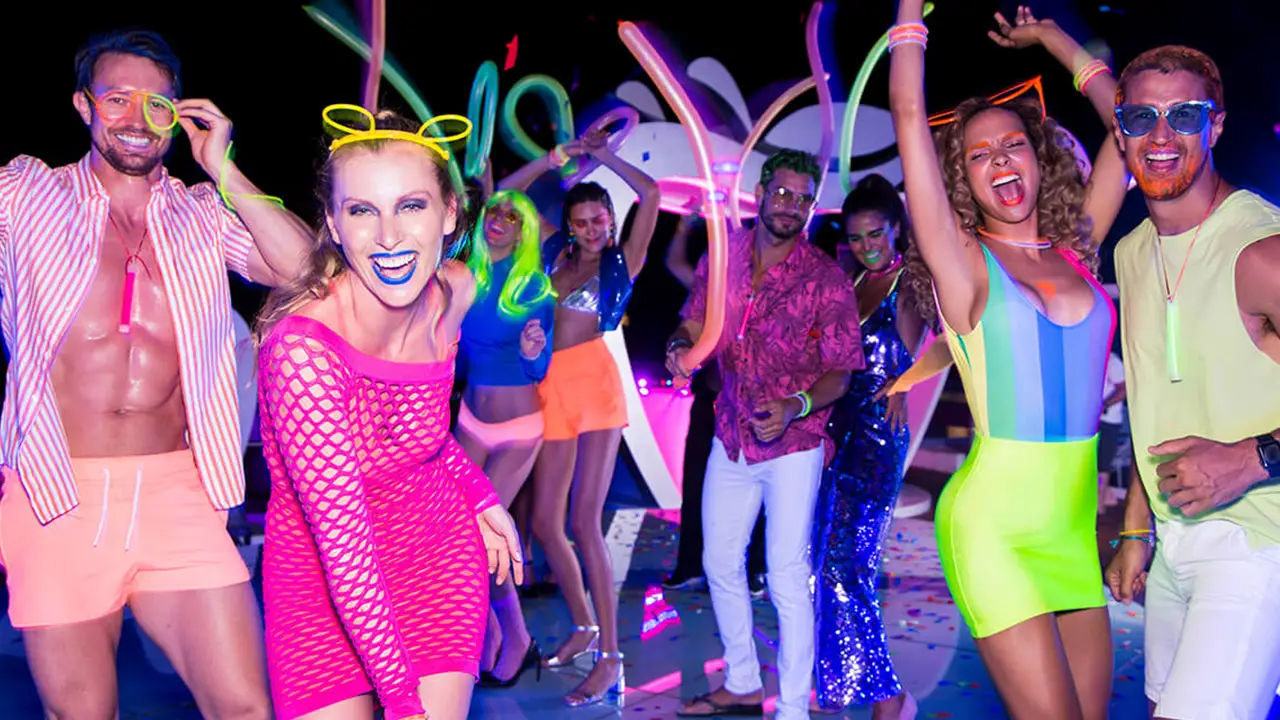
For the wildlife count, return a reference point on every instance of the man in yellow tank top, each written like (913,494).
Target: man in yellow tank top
(1200,304)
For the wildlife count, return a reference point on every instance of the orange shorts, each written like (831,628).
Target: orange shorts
(582,392)
(143,524)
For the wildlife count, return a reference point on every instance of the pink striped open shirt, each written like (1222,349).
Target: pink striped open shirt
(52,221)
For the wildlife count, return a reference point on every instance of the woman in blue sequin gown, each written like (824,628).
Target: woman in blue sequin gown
(860,487)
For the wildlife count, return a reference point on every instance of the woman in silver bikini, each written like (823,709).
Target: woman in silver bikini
(584,409)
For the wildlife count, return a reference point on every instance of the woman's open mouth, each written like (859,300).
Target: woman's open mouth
(1009,188)
(394,268)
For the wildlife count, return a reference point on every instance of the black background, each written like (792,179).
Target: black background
(271,69)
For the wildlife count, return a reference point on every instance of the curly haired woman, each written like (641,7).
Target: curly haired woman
(1008,237)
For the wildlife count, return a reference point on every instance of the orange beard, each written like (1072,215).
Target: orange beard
(1167,187)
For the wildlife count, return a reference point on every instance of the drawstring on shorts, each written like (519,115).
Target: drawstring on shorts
(106,497)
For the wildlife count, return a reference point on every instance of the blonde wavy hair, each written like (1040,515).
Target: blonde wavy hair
(1059,204)
(326,263)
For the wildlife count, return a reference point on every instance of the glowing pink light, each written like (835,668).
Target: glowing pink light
(757,132)
(677,191)
(658,615)
(718,240)
(660,685)
(643,382)
(668,415)
(824,94)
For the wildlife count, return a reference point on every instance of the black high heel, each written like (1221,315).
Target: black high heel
(532,658)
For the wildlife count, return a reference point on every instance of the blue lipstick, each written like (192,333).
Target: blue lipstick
(397,261)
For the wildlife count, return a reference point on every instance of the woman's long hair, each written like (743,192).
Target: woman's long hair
(1059,205)
(527,279)
(326,263)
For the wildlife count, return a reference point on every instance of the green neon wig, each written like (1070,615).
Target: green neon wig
(527,273)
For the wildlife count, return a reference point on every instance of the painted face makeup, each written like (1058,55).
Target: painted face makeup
(501,226)
(1166,129)
(395,268)
(390,218)
(871,239)
(1001,165)
(591,225)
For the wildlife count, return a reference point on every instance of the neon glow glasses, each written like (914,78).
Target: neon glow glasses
(1185,118)
(505,214)
(1004,96)
(157,110)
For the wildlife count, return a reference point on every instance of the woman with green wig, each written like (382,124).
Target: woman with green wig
(504,353)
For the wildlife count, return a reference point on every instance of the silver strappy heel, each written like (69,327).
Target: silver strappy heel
(612,694)
(553,660)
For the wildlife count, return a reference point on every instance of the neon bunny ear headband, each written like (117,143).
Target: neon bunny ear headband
(1000,98)
(352,123)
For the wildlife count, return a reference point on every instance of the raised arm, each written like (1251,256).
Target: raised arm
(263,241)
(636,244)
(677,259)
(524,177)
(945,251)
(303,380)
(1106,187)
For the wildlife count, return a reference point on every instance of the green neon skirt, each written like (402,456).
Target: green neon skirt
(1017,532)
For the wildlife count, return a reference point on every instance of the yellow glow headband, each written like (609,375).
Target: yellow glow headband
(357,115)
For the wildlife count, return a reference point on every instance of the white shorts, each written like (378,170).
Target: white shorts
(1212,623)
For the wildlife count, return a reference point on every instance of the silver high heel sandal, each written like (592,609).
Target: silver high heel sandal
(613,694)
(554,661)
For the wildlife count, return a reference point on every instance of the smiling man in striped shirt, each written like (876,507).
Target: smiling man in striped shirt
(119,436)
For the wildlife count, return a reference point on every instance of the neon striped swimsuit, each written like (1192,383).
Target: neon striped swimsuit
(1016,524)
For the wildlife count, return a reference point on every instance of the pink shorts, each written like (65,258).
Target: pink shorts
(143,524)
(524,429)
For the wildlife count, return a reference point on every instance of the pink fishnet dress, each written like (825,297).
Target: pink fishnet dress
(375,572)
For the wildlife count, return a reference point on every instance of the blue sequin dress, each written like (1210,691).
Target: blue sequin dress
(855,509)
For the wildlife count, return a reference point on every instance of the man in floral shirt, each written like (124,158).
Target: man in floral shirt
(790,341)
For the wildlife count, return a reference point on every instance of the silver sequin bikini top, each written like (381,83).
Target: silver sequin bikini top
(586,298)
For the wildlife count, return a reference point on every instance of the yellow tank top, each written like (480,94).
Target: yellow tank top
(1230,390)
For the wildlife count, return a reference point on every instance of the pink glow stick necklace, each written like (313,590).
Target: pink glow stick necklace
(131,263)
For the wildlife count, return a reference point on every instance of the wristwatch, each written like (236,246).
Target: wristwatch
(1269,455)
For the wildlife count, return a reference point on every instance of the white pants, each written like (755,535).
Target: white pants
(731,499)
(1212,623)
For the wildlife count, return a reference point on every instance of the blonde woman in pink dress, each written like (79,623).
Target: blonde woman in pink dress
(376,575)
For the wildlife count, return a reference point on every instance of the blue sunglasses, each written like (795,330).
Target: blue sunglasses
(1186,118)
